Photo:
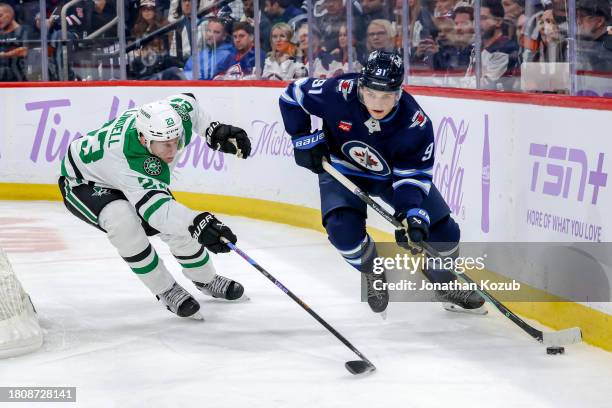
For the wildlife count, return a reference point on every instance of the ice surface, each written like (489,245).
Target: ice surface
(106,335)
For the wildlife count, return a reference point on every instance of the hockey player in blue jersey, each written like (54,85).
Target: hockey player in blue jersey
(377,135)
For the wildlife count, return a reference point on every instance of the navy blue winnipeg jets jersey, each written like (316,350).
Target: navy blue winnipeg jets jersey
(396,150)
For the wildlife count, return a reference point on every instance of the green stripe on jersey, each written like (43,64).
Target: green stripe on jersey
(148,268)
(154,207)
(63,171)
(79,205)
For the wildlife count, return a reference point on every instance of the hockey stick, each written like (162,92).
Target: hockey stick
(555,338)
(356,366)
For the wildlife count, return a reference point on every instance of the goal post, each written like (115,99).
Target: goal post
(20,332)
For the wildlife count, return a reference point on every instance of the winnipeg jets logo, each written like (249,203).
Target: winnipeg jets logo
(152,166)
(373,125)
(418,119)
(366,157)
(99,192)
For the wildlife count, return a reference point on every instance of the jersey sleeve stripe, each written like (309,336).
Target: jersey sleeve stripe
(423,185)
(299,94)
(154,207)
(77,172)
(413,172)
(286,98)
(139,257)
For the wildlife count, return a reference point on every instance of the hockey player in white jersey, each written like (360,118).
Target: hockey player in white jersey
(116,178)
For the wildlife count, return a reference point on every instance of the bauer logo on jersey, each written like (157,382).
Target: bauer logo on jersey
(366,157)
(152,166)
(345,86)
(418,119)
(344,125)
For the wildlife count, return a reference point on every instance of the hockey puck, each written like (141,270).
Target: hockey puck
(555,350)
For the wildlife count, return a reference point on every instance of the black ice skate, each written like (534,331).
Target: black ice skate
(466,301)
(180,302)
(221,287)
(377,299)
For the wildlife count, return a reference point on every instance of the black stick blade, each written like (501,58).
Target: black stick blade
(357,367)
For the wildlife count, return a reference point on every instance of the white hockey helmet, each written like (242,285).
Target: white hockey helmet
(159,122)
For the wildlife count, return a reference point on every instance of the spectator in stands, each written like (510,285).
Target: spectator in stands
(512,11)
(456,47)
(78,17)
(374,10)
(594,47)
(152,60)
(380,36)
(340,54)
(444,8)
(149,20)
(553,46)
(421,22)
(12,46)
(430,46)
(103,13)
(216,56)
(281,11)
(499,56)
(280,63)
(520,28)
(181,42)
(243,63)
(333,16)
(324,65)
(265,25)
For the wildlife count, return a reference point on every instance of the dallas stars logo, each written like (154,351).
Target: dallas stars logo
(152,166)
(99,192)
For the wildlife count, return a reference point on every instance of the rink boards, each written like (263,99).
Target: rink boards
(511,171)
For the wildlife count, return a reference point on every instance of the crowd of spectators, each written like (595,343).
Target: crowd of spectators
(514,37)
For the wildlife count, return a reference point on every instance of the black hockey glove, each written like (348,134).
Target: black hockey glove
(228,139)
(415,226)
(208,230)
(309,151)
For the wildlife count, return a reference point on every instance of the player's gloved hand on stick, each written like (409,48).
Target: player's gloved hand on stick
(309,151)
(415,226)
(208,230)
(228,139)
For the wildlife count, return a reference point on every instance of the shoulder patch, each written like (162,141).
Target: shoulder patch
(152,166)
(418,119)
(345,86)
(182,112)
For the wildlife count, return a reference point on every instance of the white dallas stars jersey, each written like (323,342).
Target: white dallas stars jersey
(113,157)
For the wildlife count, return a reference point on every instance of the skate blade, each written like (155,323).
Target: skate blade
(451,307)
(196,316)
(383,315)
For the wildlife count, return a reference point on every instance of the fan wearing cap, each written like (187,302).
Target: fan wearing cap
(117,180)
(376,134)
(594,49)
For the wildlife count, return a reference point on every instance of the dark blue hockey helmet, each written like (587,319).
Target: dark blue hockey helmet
(383,71)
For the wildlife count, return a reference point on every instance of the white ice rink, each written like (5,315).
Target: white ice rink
(106,335)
